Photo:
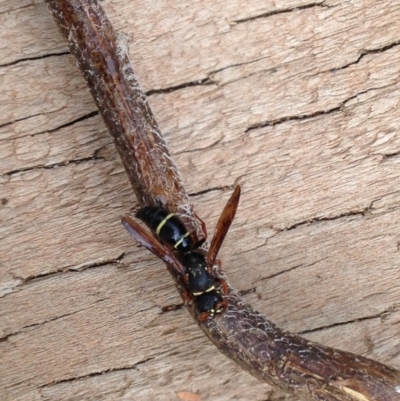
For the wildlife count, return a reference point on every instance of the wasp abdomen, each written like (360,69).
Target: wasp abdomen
(167,226)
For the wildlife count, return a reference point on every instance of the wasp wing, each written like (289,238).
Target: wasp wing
(148,241)
(224,222)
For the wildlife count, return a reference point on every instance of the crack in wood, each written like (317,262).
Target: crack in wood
(55,165)
(282,11)
(213,189)
(199,149)
(98,373)
(363,212)
(17,121)
(388,156)
(62,270)
(310,116)
(41,57)
(379,315)
(291,269)
(71,123)
(38,324)
(198,82)
(364,53)
(210,81)
(66,125)
(10,10)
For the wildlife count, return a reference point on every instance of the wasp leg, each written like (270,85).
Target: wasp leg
(203,316)
(223,286)
(203,225)
(170,308)
(187,297)
(221,306)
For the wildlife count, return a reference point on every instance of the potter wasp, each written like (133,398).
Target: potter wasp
(174,245)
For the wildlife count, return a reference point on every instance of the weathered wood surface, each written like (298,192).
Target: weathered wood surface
(297,100)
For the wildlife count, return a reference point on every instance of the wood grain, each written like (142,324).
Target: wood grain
(302,105)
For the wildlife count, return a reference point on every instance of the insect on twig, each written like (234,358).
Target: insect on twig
(192,270)
(287,361)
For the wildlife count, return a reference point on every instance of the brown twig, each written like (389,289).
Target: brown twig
(310,370)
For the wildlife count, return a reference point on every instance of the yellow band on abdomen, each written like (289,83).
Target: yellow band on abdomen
(180,241)
(161,225)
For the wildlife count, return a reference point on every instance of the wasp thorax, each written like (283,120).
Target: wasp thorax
(196,269)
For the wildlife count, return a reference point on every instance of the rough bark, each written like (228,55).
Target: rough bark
(298,100)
